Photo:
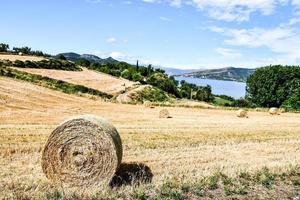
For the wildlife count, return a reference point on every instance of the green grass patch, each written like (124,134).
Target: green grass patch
(221,102)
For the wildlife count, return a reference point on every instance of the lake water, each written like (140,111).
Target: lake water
(230,88)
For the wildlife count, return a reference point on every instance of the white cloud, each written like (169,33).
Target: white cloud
(236,10)
(111,40)
(228,53)
(284,41)
(173,3)
(231,10)
(176,3)
(165,19)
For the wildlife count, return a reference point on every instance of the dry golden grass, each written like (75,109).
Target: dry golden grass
(89,78)
(194,143)
(21,58)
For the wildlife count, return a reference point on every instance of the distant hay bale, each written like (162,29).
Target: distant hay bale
(21,54)
(164,113)
(148,104)
(274,111)
(83,151)
(242,113)
(167,103)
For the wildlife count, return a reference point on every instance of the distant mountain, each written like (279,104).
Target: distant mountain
(228,74)
(173,71)
(92,58)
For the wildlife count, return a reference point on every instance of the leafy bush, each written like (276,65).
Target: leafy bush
(126,74)
(151,94)
(242,103)
(137,77)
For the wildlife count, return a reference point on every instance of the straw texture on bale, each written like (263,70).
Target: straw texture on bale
(147,104)
(83,151)
(274,111)
(164,113)
(242,113)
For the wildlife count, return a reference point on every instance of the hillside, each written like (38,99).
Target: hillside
(18,57)
(228,74)
(89,78)
(92,58)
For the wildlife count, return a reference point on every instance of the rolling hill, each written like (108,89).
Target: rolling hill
(228,74)
(92,58)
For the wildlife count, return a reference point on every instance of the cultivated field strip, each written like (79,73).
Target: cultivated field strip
(89,78)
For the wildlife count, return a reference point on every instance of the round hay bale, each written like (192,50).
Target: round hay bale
(167,103)
(83,151)
(148,104)
(274,111)
(241,113)
(164,113)
(21,54)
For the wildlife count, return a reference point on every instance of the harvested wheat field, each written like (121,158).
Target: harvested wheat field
(193,143)
(89,78)
(21,58)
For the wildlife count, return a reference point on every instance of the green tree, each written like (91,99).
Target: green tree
(293,102)
(4,47)
(162,81)
(137,77)
(24,50)
(83,63)
(273,85)
(61,57)
(126,74)
(204,93)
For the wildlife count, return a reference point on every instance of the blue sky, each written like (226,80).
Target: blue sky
(171,33)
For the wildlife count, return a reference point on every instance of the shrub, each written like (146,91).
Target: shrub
(137,77)
(126,74)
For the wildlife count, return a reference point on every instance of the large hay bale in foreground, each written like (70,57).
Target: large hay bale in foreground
(242,113)
(274,111)
(83,151)
(164,113)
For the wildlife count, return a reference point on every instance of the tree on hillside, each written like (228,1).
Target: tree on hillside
(83,63)
(126,74)
(273,85)
(24,50)
(61,57)
(162,81)
(4,47)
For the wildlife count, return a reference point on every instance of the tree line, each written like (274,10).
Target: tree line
(5,48)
